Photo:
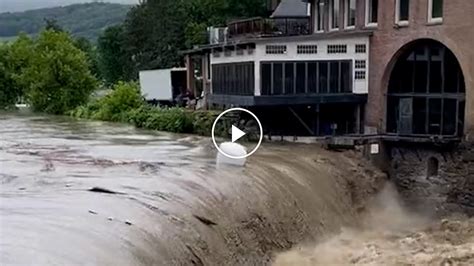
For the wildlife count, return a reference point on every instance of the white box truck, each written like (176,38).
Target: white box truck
(163,86)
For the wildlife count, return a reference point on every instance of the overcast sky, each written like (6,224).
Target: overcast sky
(22,5)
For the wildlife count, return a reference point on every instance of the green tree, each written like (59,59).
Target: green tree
(113,60)
(91,52)
(8,94)
(58,77)
(14,58)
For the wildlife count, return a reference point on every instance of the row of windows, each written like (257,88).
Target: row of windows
(425,115)
(302,77)
(238,51)
(435,11)
(402,7)
(428,69)
(313,49)
(233,79)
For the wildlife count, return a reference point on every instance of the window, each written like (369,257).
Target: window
(233,79)
(402,12)
(319,15)
(371,12)
(425,81)
(360,64)
(334,14)
(350,13)
(303,77)
(337,49)
(360,48)
(275,49)
(216,54)
(360,75)
(435,11)
(307,49)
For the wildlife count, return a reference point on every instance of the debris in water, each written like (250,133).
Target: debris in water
(103,190)
(92,212)
(204,220)
(110,218)
(22,188)
(128,223)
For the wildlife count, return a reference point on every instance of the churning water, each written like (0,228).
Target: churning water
(75,193)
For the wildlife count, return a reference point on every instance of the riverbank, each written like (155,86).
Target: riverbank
(125,104)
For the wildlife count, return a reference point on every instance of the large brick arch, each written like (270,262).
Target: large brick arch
(398,48)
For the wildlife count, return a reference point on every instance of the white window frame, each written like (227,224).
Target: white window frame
(397,15)
(368,16)
(331,11)
(431,19)
(347,9)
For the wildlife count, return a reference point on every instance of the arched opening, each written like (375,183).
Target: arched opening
(426,92)
(433,167)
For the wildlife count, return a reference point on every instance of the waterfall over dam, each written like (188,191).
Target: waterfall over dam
(81,192)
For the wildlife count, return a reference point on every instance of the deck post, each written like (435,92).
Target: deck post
(190,79)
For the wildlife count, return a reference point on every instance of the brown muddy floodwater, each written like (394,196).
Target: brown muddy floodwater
(94,193)
(171,205)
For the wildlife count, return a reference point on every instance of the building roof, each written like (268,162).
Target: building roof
(291,8)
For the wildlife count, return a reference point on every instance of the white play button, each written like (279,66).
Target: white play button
(237,133)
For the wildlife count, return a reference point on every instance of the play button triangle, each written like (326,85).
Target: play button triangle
(236,133)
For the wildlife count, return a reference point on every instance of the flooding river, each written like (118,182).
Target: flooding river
(94,193)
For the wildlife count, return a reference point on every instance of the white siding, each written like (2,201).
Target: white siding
(259,55)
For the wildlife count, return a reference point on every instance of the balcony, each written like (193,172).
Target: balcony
(269,27)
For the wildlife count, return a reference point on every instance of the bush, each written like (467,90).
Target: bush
(125,104)
(117,105)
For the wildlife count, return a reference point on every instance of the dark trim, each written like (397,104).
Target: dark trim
(282,100)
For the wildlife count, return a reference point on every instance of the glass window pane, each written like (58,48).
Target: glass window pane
(346,76)
(419,115)
(404,9)
(373,11)
(323,77)
(266,79)
(350,12)
(421,70)
(434,116)
(437,9)
(334,14)
(289,78)
(334,77)
(300,78)
(435,72)
(451,69)
(277,78)
(312,75)
(449,116)
(320,14)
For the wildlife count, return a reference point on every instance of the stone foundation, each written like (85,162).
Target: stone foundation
(434,179)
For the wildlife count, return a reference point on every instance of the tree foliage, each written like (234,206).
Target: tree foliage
(156,30)
(57,77)
(113,60)
(14,58)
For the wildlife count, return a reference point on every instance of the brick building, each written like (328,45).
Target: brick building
(391,67)
(401,71)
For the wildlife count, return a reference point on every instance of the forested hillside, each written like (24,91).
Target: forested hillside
(81,20)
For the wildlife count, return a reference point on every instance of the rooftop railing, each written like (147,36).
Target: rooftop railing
(260,27)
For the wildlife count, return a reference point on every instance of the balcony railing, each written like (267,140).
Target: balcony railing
(258,27)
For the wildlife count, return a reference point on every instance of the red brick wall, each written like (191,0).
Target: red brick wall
(456,32)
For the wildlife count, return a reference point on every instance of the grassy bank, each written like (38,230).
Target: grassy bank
(124,104)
